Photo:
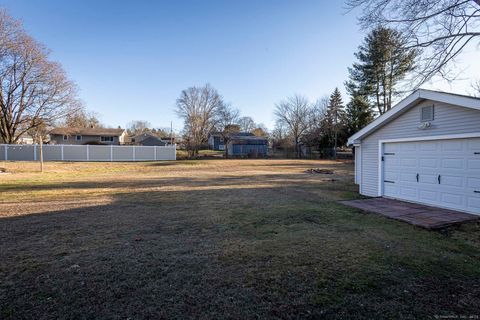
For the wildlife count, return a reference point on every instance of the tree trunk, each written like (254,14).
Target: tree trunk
(335,132)
(335,145)
(297,151)
(377,94)
(385,104)
(225,147)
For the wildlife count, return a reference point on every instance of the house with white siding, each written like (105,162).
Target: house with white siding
(426,150)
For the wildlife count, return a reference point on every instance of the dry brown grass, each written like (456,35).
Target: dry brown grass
(71,181)
(218,239)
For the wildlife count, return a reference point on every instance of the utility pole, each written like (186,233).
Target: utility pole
(41,153)
(171,133)
(335,134)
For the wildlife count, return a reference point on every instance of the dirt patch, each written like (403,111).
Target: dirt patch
(319,171)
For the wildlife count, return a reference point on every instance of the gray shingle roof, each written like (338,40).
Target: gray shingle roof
(88,131)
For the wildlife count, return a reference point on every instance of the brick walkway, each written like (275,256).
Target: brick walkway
(416,214)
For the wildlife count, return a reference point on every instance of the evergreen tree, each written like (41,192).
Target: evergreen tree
(334,119)
(358,114)
(383,62)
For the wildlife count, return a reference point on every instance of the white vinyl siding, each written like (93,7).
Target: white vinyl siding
(449,119)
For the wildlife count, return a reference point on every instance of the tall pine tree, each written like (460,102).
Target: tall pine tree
(383,62)
(334,119)
(358,114)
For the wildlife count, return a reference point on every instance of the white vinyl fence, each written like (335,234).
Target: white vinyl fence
(30,152)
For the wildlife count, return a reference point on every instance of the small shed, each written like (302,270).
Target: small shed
(248,146)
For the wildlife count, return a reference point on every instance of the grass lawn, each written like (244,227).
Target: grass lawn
(219,239)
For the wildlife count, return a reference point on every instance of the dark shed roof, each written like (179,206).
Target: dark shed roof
(248,140)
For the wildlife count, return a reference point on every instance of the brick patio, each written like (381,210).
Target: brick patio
(416,214)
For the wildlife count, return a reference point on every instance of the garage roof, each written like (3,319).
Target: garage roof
(410,101)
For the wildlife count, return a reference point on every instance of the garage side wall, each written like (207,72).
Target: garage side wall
(448,119)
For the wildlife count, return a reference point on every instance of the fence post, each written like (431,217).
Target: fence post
(88,153)
(133,153)
(175,152)
(111,152)
(62,151)
(155,153)
(35,152)
(6,152)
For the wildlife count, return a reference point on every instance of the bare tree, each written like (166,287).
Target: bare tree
(227,115)
(81,119)
(198,106)
(32,88)
(260,130)
(138,126)
(162,132)
(440,29)
(280,137)
(476,87)
(227,124)
(317,133)
(246,124)
(294,113)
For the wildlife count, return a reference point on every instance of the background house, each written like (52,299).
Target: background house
(149,139)
(215,139)
(25,139)
(81,136)
(215,142)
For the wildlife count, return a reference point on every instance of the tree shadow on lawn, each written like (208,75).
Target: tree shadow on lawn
(185,162)
(238,253)
(299,163)
(294,180)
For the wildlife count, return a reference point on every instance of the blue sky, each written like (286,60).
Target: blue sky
(131,59)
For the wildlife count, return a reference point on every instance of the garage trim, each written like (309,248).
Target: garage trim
(413,139)
(410,101)
(358,162)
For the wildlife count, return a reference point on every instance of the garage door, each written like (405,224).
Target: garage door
(444,173)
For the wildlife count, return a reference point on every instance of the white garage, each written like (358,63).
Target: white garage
(426,150)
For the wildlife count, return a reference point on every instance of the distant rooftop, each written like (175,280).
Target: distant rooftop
(236,134)
(88,131)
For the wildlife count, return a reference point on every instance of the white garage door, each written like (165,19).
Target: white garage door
(444,173)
